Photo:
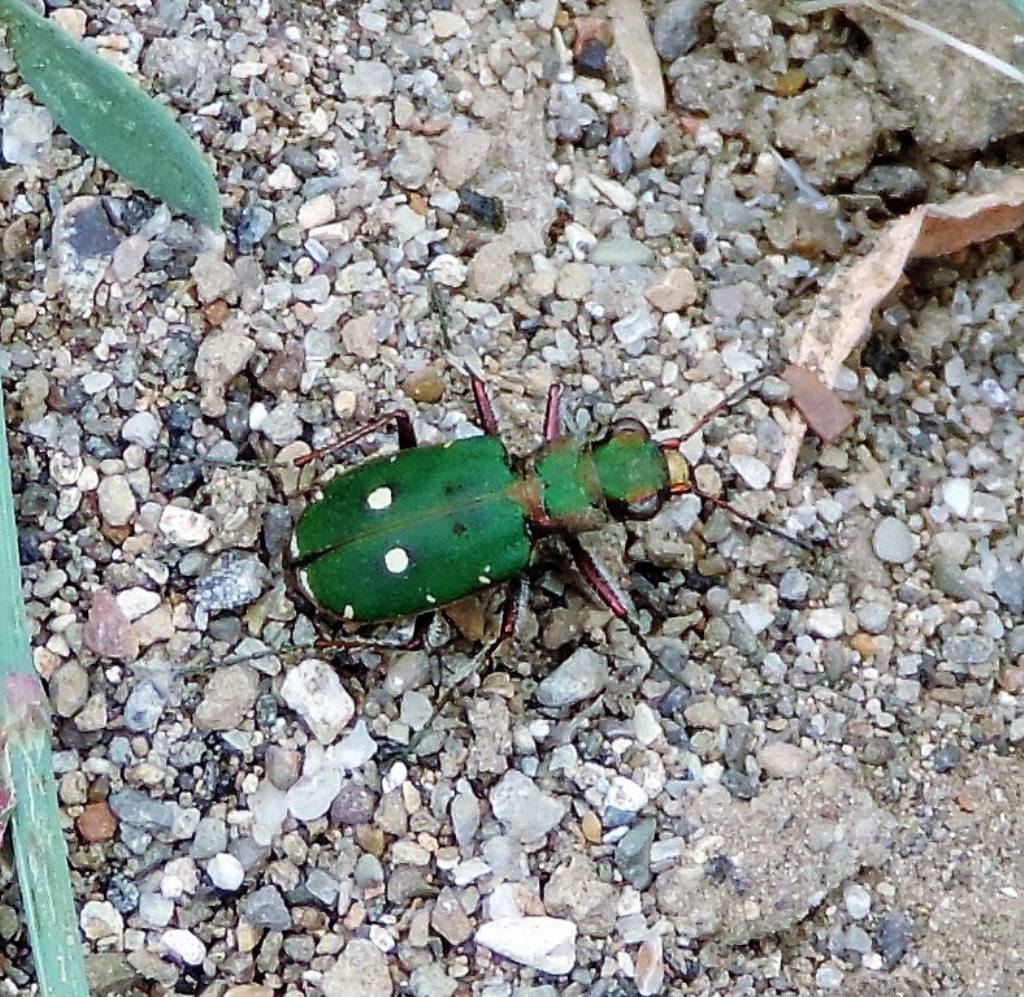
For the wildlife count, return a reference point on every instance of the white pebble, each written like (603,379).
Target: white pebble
(827,623)
(957,494)
(754,472)
(185,528)
(183,944)
(547,944)
(313,690)
(226,872)
(857,900)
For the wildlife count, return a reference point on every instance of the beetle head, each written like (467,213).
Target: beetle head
(633,471)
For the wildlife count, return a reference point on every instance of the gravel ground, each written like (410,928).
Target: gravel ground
(814,787)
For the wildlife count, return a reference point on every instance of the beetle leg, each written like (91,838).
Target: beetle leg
(406,436)
(411,643)
(483,405)
(553,412)
(596,578)
(515,600)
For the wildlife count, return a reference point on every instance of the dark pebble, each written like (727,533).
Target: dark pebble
(633,854)
(267,710)
(254,225)
(122,893)
(1008,586)
(946,758)
(354,804)
(594,134)
(740,785)
(406,883)
(592,59)
(902,185)
(877,751)
(486,209)
(91,233)
(893,938)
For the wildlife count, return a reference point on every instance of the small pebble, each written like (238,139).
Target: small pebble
(225,872)
(580,677)
(184,945)
(314,691)
(893,542)
(827,623)
(782,760)
(857,900)
(547,944)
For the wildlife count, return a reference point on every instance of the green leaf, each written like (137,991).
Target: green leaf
(27,780)
(110,117)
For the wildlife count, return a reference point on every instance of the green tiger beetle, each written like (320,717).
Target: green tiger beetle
(407,533)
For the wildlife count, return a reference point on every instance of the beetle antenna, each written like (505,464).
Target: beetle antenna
(726,403)
(810,546)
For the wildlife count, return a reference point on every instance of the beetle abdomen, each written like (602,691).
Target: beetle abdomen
(406,533)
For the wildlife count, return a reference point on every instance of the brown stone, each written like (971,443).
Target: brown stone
(97,823)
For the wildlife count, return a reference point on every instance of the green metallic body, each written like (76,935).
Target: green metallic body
(406,533)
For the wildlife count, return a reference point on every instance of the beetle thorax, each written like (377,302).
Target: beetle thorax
(579,483)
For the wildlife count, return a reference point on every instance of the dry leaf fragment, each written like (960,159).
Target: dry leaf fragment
(821,407)
(841,317)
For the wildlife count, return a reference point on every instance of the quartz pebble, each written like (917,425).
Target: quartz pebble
(315,692)
(826,623)
(547,944)
(225,872)
(184,945)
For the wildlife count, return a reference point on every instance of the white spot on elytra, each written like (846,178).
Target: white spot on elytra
(484,580)
(349,613)
(379,498)
(396,560)
(431,599)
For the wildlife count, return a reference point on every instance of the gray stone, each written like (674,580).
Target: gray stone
(794,585)
(265,908)
(142,428)
(136,808)
(893,542)
(432,981)
(69,689)
(116,500)
(1008,586)
(361,971)
(581,676)
(211,838)
(412,162)
(526,812)
(676,28)
(143,708)
(233,580)
(633,853)
(228,697)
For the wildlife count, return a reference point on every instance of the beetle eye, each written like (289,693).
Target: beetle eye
(621,427)
(646,508)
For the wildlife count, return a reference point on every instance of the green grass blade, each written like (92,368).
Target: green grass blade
(26,768)
(110,117)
